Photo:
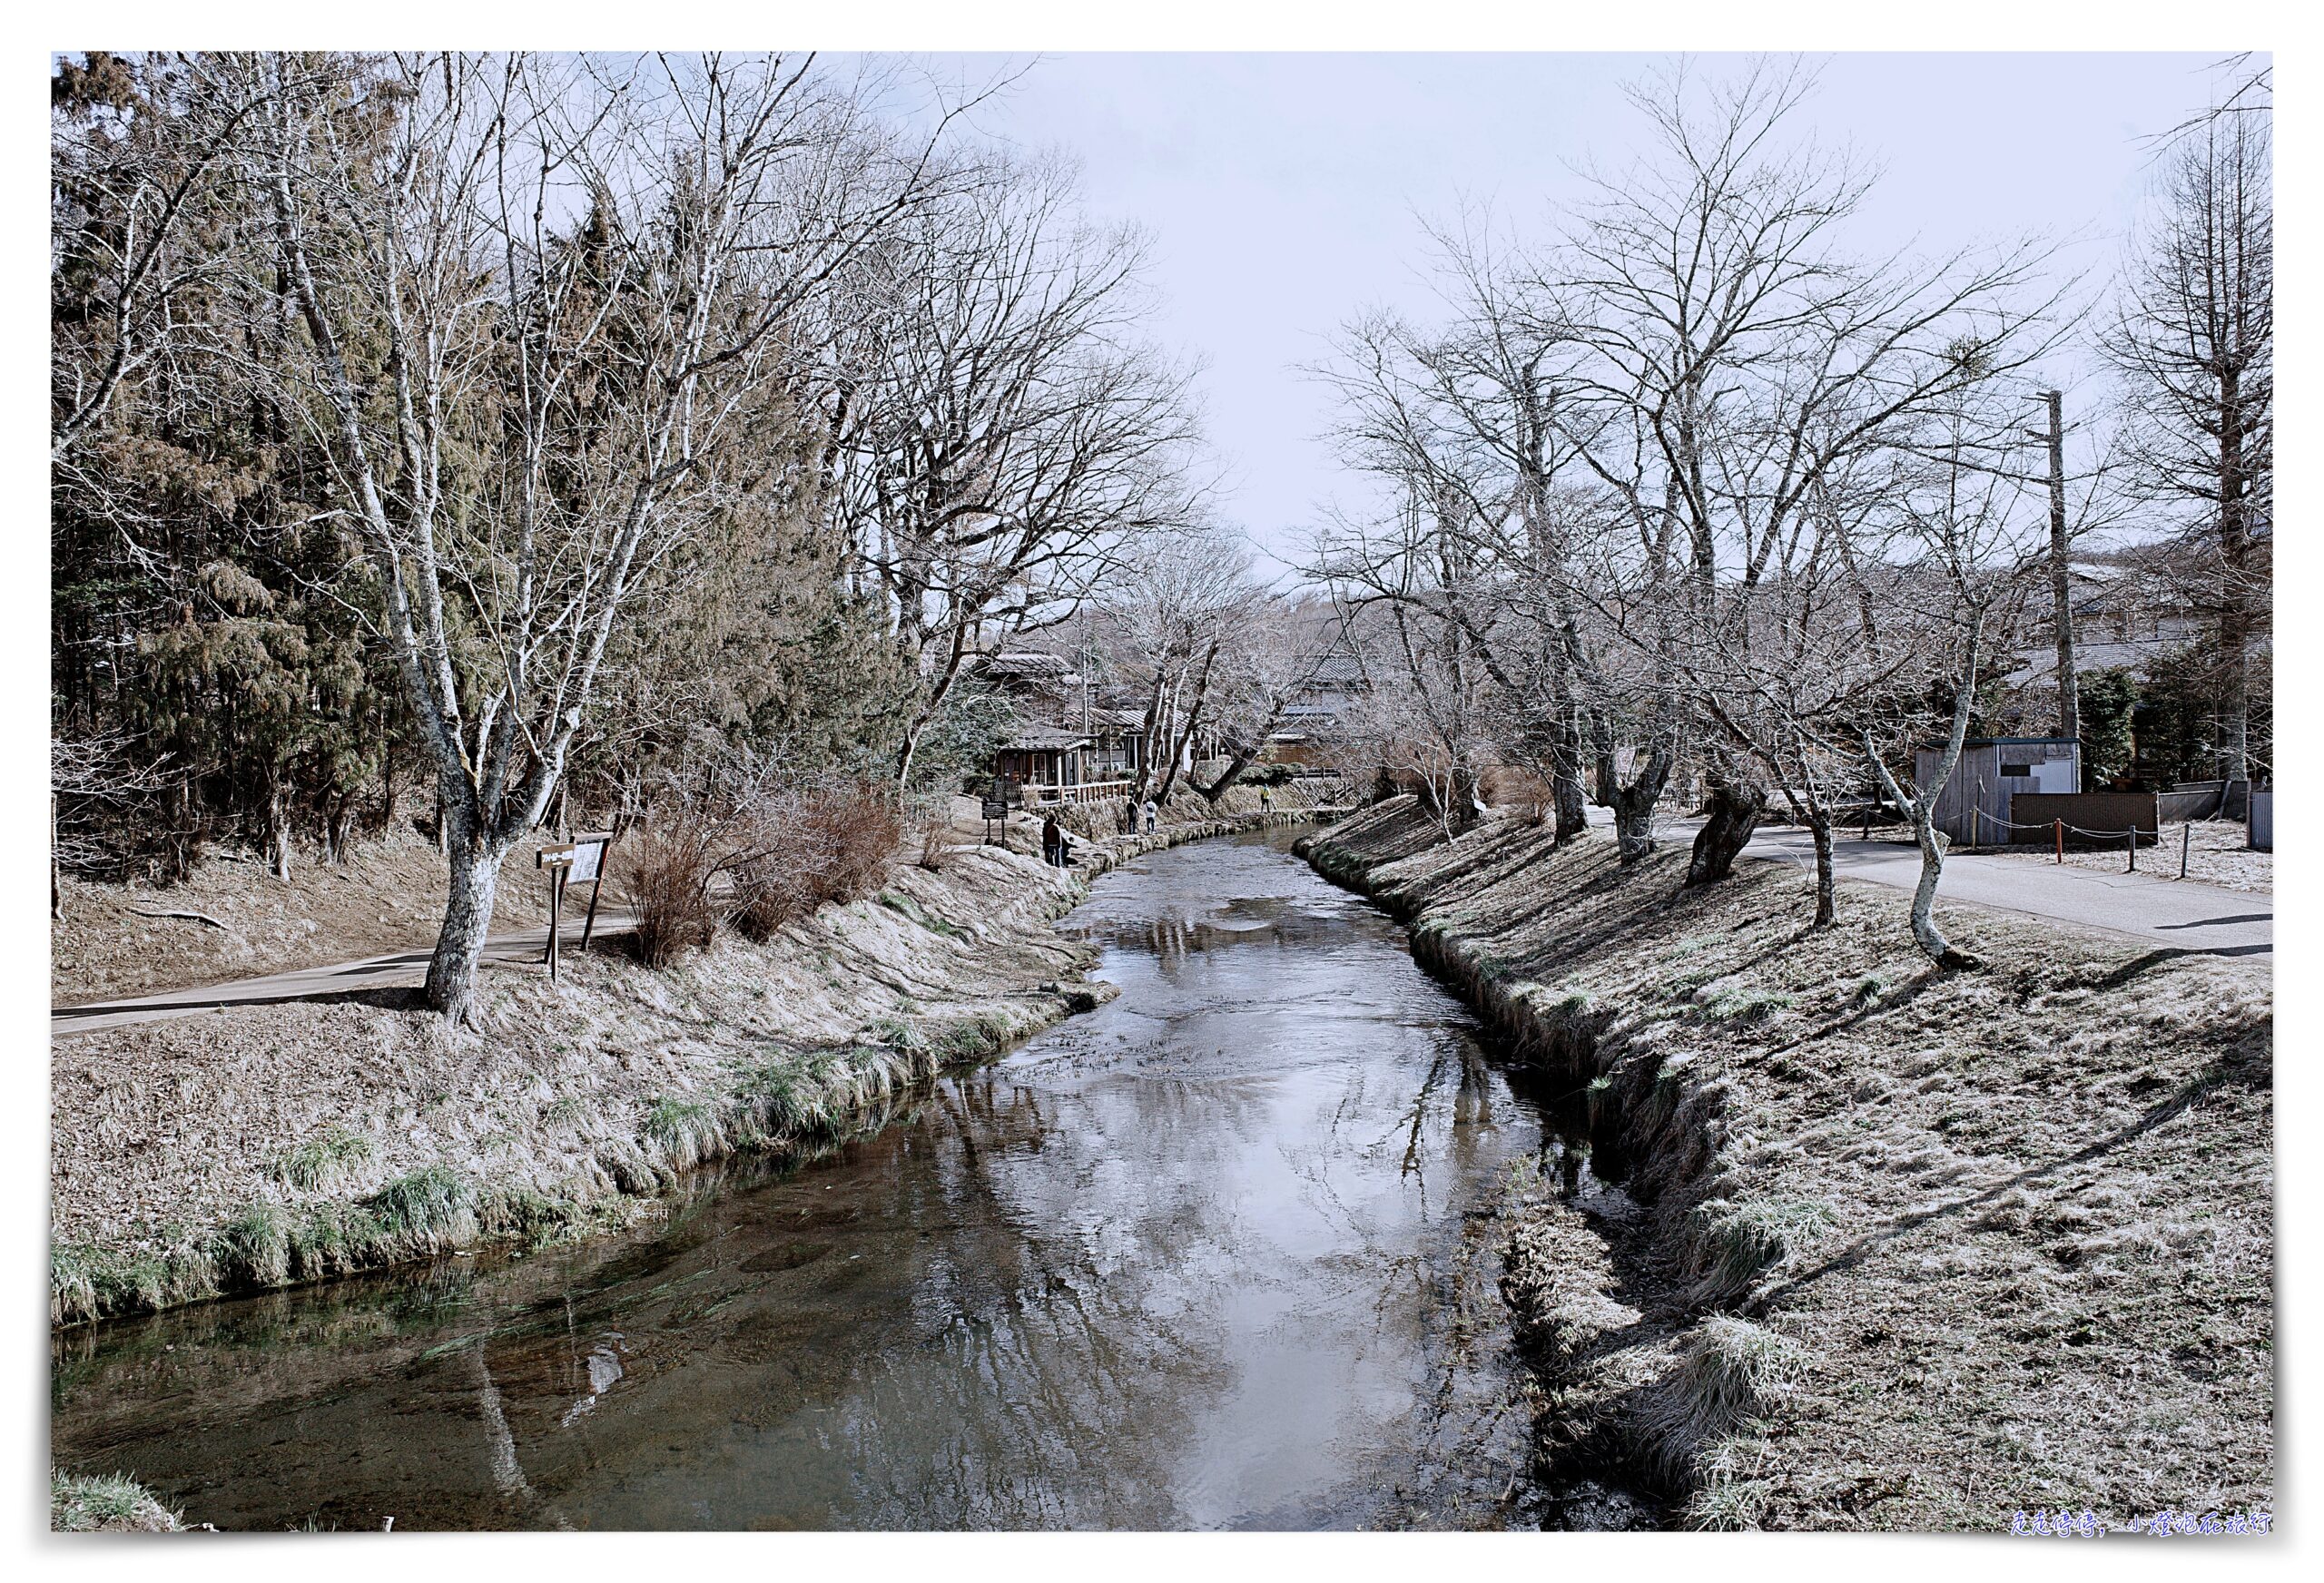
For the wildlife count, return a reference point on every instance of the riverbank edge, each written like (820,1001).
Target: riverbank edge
(1841,1173)
(435,1210)
(1559,1264)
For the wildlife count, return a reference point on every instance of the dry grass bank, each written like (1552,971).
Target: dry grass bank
(1917,1251)
(281,1142)
(271,1145)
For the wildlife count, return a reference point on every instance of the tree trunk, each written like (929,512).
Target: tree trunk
(1819,825)
(1922,809)
(1925,934)
(1736,806)
(1566,794)
(278,830)
(1219,788)
(1633,804)
(468,919)
(338,826)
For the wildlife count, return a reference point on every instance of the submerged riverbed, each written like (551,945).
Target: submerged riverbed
(1214,1255)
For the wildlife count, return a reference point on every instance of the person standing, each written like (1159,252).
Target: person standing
(1052,841)
(1266,800)
(1153,816)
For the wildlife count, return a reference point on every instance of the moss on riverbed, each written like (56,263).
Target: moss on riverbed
(1918,1250)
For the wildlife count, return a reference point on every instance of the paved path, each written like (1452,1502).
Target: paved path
(2179,913)
(398,970)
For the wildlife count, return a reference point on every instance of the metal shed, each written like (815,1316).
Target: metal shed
(1973,808)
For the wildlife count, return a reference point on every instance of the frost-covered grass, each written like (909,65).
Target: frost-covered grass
(1951,1212)
(281,1144)
(105,1503)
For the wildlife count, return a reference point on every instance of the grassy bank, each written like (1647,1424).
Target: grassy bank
(268,1145)
(1896,1249)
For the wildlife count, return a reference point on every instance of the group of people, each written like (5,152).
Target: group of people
(1056,846)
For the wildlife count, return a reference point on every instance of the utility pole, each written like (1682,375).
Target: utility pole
(2061,577)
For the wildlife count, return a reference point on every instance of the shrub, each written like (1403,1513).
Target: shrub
(254,1247)
(935,843)
(112,1502)
(858,829)
(684,1129)
(1732,1243)
(805,848)
(427,1207)
(665,876)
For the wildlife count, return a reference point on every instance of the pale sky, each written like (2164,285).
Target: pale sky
(1282,189)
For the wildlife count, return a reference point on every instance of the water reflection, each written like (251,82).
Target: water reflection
(1202,1258)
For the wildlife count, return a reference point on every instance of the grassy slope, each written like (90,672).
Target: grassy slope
(1920,1250)
(278,1144)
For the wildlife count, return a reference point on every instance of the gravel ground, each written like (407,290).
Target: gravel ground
(2216,855)
(1919,1250)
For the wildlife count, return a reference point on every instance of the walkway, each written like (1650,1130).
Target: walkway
(2179,913)
(398,971)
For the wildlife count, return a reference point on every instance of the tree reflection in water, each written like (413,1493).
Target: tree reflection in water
(1207,1256)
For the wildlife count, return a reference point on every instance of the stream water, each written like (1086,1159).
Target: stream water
(1214,1256)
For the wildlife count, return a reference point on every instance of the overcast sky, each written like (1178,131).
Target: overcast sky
(1283,190)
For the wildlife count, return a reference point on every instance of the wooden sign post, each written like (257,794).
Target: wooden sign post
(557,859)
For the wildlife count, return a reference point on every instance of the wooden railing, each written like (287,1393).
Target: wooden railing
(1037,796)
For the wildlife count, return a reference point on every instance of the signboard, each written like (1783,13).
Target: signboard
(996,805)
(589,857)
(557,855)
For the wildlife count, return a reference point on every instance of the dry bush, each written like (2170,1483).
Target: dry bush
(664,876)
(857,828)
(935,843)
(826,843)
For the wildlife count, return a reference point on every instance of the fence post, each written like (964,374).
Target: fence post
(2059,826)
(2186,836)
(2132,835)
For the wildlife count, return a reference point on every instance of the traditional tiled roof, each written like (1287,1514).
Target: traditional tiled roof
(1044,739)
(1029,665)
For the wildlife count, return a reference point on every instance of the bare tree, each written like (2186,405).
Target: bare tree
(1274,645)
(1964,555)
(2194,338)
(999,430)
(531,306)
(1755,354)
(1175,602)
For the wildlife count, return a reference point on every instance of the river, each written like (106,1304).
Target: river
(1218,1254)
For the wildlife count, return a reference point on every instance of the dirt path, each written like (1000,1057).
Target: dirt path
(395,970)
